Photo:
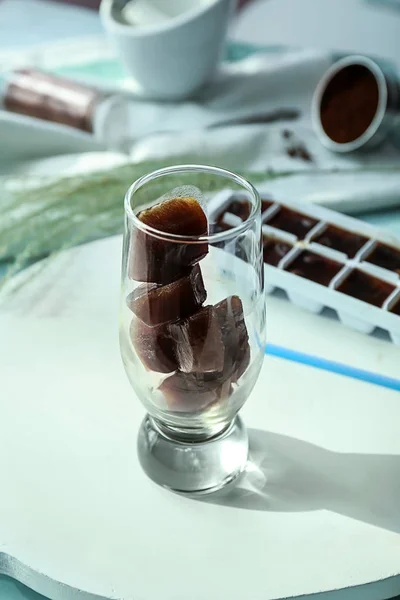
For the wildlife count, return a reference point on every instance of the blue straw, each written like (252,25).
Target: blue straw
(334,367)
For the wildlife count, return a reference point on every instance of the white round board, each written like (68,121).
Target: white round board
(318,510)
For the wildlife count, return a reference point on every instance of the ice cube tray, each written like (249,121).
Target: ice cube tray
(322,258)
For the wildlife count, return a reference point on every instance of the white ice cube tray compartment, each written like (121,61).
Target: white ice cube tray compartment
(356,313)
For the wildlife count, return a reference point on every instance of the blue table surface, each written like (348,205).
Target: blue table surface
(38,21)
(12,590)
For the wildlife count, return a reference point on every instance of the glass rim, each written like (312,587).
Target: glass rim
(193,239)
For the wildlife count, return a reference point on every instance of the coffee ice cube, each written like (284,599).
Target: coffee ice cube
(213,347)
(160,304)
(265,204)
(235,337)
(342,240)
(154,346)
(274,250)
(386,257)
(366,287)
(241,207)
(153,259)
(199,344)
(193,392)
(214,341)
(293,222)
(395,308)
(314,267)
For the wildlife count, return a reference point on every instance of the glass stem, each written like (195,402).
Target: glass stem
(190,434)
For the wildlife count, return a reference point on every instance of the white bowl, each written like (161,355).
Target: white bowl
(172,59)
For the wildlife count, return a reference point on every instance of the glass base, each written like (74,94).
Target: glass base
(192,467)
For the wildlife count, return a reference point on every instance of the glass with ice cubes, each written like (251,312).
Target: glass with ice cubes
(192,327)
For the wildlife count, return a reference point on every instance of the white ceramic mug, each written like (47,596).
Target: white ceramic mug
(172,59)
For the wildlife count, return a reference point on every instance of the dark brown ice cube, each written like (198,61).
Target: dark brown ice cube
(155,260)
(239,207)
(199,344)
(385,257)
(265,204)
(293,222)
(192,392)
(224,222)
(274,250)
(177,300)
(339,239)
(366,287)
(314,267)
(154,346)
(215,341)
(396,308)
(235,337)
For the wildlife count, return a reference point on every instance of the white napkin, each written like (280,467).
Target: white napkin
(255,89)
(201,130)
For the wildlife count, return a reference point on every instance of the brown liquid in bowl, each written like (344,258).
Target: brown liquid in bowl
(349,103)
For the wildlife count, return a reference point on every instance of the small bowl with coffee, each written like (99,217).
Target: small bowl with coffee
(356,104)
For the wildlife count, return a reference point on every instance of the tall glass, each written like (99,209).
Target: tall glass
(192,326)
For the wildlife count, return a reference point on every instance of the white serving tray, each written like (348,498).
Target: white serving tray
(317,512)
